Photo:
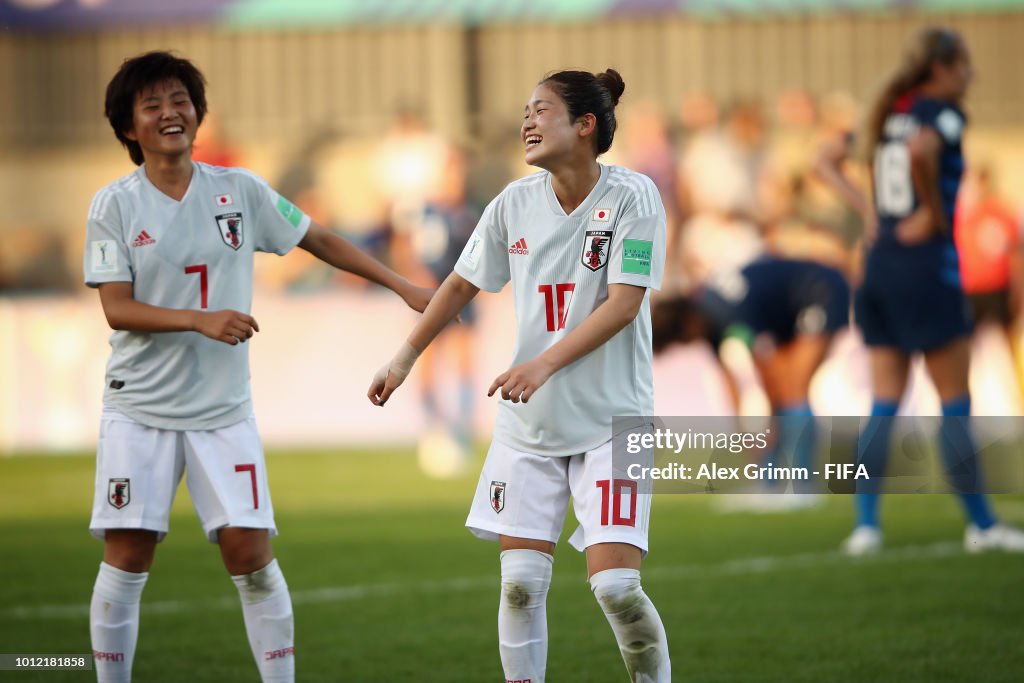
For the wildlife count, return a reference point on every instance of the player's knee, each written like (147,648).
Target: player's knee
(246,561)
(262,584)
(525,577)
(136,563)
(633,616)
(618,592)
(130,551)
(244,551)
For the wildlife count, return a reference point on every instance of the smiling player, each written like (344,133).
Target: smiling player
(582,244)
(170,248)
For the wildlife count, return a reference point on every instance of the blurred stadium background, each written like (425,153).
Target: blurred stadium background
(357,110)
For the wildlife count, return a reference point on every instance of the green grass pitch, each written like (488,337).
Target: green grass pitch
(389,587)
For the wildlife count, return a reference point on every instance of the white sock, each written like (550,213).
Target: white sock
(522,614)
(114,622)
(636,624)
(267,609)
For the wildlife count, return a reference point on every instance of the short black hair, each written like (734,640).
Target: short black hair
(137,74)
(588,93)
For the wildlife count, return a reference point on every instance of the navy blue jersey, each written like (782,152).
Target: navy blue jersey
(895,198)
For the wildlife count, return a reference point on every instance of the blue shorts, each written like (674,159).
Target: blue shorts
(911,297)
(783,298)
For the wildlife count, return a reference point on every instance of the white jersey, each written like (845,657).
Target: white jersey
(560,266)
(192,254)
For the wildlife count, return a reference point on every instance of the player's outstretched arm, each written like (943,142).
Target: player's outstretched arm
(621,308)
(124,312)
(451,297)
(337,251)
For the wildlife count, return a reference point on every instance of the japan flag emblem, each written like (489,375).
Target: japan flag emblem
(223,200)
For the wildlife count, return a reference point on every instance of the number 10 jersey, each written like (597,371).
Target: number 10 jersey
(560,267)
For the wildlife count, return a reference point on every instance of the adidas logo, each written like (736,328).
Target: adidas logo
(519,248)
(143,239)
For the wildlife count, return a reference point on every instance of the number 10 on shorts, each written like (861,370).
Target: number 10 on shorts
(611,496)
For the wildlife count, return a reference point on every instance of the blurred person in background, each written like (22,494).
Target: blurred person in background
(741,281)
(647,148)
(699,121)
(840,181)
(725,176)
(789,142)
(421,176)
(988,239)
(583,245)
(792,138)
(426,245)
(698,136)
(786,313)
(170,249)
(300,271)
(810,221)
(410,167)
(911,299)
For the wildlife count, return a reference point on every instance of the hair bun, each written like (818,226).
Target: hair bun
(611,80)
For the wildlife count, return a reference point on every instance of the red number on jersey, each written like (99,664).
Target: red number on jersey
(612,497)
(201,269)
(557,294)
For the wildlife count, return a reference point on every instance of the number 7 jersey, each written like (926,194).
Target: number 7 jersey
(196,254)
(560,267)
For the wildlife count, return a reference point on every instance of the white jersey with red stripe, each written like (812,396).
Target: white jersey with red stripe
(560,267)
(196,253)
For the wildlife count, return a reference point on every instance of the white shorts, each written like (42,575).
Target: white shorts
(525,495)
(138,469)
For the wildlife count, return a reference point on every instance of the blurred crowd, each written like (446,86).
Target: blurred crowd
(737,179)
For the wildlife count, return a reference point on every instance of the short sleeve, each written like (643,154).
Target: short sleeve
(278,225)
(637,255)
(484,260)
(105,258)
(944,117)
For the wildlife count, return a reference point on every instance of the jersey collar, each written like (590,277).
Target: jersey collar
(588,203)
(148,184)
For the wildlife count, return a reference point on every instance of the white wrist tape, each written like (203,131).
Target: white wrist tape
(400,365)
